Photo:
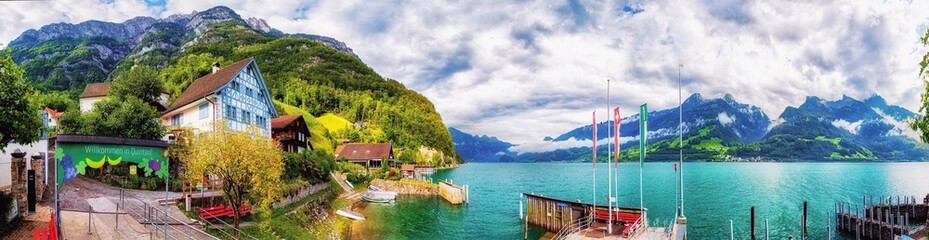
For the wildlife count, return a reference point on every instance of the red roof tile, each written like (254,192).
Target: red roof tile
(208,84)
(96,90)
(53,114)
(354,151)
(283,121)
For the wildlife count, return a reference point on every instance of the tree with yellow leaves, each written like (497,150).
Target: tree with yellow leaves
(249,165)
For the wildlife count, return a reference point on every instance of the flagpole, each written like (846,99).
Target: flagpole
(609,173)
(643,147)
(594,197)
(680,94)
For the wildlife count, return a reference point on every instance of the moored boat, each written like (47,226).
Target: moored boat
(374,198)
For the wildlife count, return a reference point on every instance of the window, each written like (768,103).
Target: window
(204,110)
(248,92)
(227,112)
(300,136)
(177,119)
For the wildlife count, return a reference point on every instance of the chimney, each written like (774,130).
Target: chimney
(215,67)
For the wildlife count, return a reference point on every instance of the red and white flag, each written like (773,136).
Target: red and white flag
(616,123)
(595,139)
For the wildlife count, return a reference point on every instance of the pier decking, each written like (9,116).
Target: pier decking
(883,220)
(578,220)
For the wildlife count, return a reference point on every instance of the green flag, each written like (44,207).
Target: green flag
(643,129)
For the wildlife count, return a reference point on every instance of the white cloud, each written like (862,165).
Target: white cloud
(525,70)
(545,146)
(851,127)
(725,119)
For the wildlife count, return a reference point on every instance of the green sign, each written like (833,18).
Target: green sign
(75,158)
(643,132)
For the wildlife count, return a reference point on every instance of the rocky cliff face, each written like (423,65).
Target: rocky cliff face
(65,56)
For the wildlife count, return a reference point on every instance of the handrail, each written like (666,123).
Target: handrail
(573,227)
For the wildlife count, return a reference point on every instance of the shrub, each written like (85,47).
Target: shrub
(6,205)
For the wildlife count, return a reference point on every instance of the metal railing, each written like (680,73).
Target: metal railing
(162,224)
(574,226)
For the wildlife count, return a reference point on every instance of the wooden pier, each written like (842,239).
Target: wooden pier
(563,218)
(890,217)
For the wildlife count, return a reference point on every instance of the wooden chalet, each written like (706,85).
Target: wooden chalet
(291,132)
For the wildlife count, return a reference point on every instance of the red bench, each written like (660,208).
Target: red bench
(619,217)
(222,211)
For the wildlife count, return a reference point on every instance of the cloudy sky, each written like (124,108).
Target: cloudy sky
(523,70)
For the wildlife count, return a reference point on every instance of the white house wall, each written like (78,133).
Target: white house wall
(191,116)
(88,103)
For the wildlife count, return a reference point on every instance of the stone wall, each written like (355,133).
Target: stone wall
(18,174)
(306,191)
(407,187)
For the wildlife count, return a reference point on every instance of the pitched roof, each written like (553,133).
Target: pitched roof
(208,84)
(53,113)
(96,90)
(365,151)
(283,121)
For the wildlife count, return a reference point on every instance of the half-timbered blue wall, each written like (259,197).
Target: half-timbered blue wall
(245,101)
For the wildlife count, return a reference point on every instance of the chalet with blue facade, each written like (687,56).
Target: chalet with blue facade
(236,93)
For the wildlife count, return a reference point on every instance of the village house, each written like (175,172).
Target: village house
(291,132)
(236,93)
(369,155)
(94,92)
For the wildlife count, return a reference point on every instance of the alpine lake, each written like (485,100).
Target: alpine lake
(714,194)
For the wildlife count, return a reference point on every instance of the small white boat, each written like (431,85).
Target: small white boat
(350,214)
(376,192)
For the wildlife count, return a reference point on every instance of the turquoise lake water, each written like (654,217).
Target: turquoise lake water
(714,193)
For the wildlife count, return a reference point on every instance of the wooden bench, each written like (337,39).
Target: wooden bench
(222,211)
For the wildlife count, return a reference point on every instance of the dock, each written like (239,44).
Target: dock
(578,220)
(454,194)
(890,217)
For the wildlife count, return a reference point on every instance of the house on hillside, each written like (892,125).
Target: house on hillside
(291,132)
(369,155)
(236,93)
(94,92)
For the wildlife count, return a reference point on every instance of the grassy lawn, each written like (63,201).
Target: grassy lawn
(281,225)
(334,123)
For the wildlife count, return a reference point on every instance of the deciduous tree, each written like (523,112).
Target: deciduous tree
(20,121)
(249,165)
(921,123)
(141,81)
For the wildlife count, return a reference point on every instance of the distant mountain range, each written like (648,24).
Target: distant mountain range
(480,148)
(64,56)
(724,129)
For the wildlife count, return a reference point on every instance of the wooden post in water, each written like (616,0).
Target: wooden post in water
(753,222)
(520,205)
(765,229)
(731,233)
(803,234)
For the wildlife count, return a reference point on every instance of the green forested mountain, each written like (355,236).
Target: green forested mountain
(315,74)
